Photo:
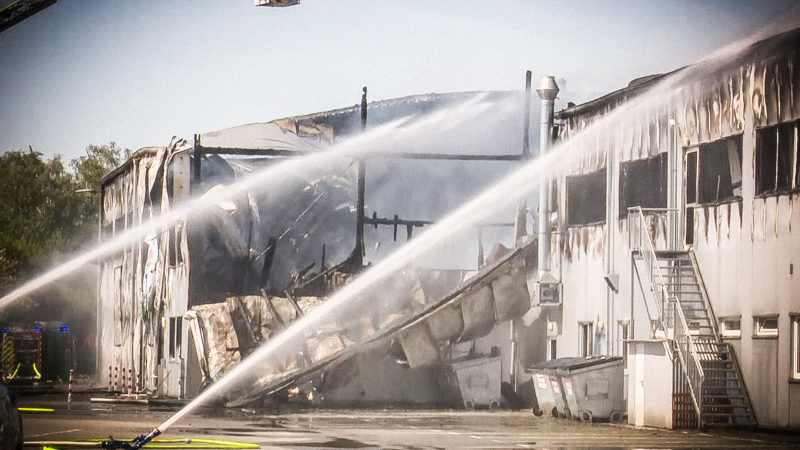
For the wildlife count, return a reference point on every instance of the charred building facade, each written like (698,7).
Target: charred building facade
(183,305)
(667,240)
(674,241)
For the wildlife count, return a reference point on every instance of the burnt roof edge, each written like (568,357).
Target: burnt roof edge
(124,166)
(635,87)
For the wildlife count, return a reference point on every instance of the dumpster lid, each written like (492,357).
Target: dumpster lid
(574,362)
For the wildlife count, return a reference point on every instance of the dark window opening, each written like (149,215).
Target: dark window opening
(174,255)
(785,157)
(719,172)
(766,145)
(643,183)
(777,163)
(175,335)
(690,225)
(586,338)
(586,198)
(691,177)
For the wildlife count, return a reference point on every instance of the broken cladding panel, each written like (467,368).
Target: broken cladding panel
(510,291)
(447,323)
(321,347)
(477,306)
(419,346)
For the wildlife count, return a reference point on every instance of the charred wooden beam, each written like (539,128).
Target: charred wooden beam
(247,333)
(269,256)
(294,303)
(272,309)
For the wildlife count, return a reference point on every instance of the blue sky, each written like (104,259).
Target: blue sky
(138,72)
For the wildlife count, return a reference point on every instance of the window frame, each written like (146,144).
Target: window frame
(552,349)
(700,151)
(730,333)
(175,338)
(569,187)
(759,332)
(623,335)
(794,359)
(586,338)
(793,163)
(174,254)
(662,180)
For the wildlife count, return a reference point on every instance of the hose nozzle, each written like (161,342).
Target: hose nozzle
(135,444)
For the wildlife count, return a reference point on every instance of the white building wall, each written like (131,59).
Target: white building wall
(747,249)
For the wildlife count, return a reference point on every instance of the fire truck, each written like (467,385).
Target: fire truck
(39,353)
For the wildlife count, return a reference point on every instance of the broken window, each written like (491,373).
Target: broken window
(719,170)
(643,183)
(586,198)
(713,174)
(777,163)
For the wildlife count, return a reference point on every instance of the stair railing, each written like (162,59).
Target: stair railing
(641,242)
(750,410)
(704,294)
(690,360)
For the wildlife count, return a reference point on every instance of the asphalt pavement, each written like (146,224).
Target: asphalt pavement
(82,423)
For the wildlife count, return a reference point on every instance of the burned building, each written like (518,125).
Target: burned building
(220,275)
(664,238)
(673,241)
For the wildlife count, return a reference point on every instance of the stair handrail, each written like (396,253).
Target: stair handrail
(690,360)
(687,354)
(640,240)
(704,294)
(751,411)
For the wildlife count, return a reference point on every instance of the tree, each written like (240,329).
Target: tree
(38,207)
(7,268)
(87,172)
(47,212)
(97,163)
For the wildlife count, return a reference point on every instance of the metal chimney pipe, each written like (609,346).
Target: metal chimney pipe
(547,90)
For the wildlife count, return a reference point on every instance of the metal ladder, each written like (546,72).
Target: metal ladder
(679,309)
(724,397)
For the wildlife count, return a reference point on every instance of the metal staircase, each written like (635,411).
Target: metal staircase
(677,303)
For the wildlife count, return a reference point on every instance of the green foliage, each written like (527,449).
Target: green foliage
(99,160)
(46,212)
(37,207)
(7,268)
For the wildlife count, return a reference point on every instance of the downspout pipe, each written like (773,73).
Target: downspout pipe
(547,90)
